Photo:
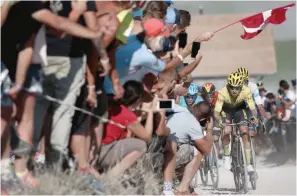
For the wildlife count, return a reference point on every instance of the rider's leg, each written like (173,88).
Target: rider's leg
(241,115)
(226,142)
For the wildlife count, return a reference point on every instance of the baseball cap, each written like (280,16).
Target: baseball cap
(154,27)
(125,18)
(172,16)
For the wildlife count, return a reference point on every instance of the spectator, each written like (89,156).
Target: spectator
(187,145)
(134,60)
(262,92)
(287,99)
(18,59)
(172,19)
(185,21)
(154,9)
(116,145)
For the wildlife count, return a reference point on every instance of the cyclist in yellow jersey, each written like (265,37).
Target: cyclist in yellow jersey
(232,101)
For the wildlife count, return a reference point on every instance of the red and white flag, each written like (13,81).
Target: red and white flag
(255,24)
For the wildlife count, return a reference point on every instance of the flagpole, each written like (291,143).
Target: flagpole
(222,28)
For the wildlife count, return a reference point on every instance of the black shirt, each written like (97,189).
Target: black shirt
(17,29)
(69,46)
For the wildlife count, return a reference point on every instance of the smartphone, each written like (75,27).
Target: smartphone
(166,104)
(195,49)
(183,39)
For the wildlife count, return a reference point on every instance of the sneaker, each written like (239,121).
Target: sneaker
(28,180)
(39,158)
(227,162)
(250,169)
(94,183)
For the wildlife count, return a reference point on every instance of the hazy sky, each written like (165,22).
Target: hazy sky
(285,31)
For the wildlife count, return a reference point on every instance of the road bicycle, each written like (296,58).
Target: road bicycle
(239,162)
(209,166)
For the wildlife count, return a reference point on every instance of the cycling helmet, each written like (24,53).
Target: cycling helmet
(208,88)
(235,79)
(193,89)
(244,72)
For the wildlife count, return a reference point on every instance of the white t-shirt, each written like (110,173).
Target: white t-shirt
(255,91)
(291,95)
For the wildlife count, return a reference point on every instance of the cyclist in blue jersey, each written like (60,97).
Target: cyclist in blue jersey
(191,98)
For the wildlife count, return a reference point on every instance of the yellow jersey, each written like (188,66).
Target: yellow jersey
(226,101)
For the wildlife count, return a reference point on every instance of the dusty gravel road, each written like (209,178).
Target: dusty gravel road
(276,172)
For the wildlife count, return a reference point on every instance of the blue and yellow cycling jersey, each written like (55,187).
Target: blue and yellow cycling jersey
(183,102)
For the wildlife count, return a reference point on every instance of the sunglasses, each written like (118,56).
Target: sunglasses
(235,87)
(191,97)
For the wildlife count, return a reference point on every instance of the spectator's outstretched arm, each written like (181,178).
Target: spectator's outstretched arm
(23,64)
(47,17)
(204,37)
(188,69)
(5,7)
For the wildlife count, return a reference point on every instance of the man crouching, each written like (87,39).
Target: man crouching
(185,146)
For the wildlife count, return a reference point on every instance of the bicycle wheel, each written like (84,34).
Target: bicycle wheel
(253,177)
(204,170)
(235,164)
(214,167)
(243,167)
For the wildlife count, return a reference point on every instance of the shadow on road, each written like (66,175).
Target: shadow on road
(220,191)
(275,159)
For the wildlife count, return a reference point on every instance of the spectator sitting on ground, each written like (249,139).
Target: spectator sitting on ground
(118,150)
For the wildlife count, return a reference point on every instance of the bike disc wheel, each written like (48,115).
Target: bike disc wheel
(214,167)
(204,171)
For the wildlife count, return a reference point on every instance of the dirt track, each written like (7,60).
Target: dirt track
(276,172)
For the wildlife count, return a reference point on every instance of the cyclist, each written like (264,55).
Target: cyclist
(191,98)
(209,94)
(256,95)
(232,101)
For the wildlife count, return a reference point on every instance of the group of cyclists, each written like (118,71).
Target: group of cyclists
(239,100)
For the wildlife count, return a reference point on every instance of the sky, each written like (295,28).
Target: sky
(285,31)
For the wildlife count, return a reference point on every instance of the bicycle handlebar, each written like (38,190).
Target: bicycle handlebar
(237,124)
